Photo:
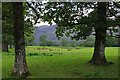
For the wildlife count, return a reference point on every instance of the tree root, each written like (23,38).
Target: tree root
(100,62)
(13,74)
(23,75)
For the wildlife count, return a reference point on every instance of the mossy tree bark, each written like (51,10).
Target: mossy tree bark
(20,66)
(100,29)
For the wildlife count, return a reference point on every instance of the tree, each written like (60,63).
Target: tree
(100,29)
(29,39)
(112,42)
(75,18)
(89,42)
(7,39)
(49,43)
(42,40)
(21,25)
(7,25)
(65,42)
(55,43)
(20,67)
(74,43)
(5,43)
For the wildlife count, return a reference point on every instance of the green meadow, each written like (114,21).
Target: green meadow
(62,62)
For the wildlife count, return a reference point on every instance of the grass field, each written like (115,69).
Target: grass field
(62,62)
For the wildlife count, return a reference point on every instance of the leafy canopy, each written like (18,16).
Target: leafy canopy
(76,19)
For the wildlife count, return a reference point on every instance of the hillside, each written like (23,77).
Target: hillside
(48,30)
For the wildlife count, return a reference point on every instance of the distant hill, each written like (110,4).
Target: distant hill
(48,30)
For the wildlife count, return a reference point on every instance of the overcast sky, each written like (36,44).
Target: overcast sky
(42,23)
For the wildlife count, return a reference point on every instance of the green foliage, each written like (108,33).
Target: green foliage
(7,24)
(89,42)
(65,42)
(44,42)
(112,42)
(75,19)
(74,43)
(55,43)
(43,38)
(7,18)
(7,38)
(49,43)
(29,40)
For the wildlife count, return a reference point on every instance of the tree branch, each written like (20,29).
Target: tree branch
(34,11)
(117,5)
(81,22)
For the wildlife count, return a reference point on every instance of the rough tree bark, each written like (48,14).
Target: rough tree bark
(100,29)
(20,66)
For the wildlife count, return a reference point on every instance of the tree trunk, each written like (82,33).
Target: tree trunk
(20,66)
(10,47)
(119,30)
(5,47)
(99,51)
(100,29)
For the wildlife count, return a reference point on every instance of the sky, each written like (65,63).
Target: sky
(43,23)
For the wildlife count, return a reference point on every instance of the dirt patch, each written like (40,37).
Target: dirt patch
(77,48)
(68,49)
(44,49)
(39,54)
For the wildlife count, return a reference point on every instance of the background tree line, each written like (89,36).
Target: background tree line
(88,42)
